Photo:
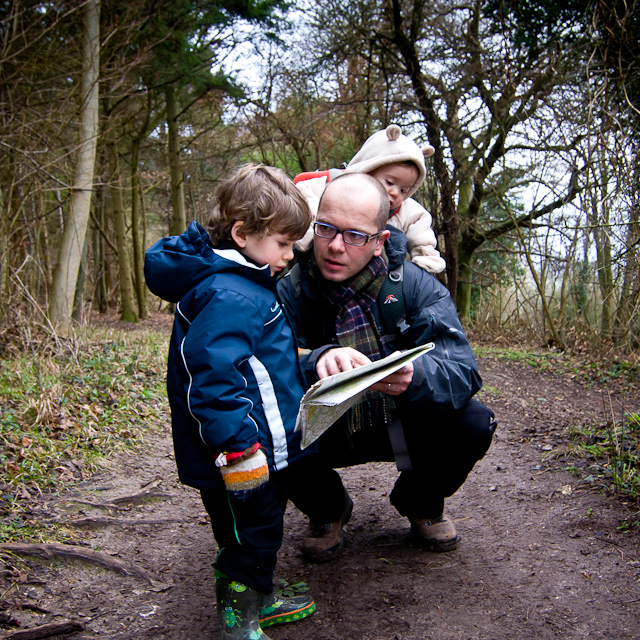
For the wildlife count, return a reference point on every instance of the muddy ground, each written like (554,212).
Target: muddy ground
(542,553)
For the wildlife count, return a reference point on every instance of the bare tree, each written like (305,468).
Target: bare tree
(65,275)
(458,75)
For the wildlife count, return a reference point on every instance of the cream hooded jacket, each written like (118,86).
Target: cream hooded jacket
(385,147)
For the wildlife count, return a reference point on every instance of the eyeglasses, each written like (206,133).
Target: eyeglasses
(355,238)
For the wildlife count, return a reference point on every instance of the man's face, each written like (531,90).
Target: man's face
(337,260)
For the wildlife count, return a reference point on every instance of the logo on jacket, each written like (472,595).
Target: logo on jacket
(390,298)
(275,307)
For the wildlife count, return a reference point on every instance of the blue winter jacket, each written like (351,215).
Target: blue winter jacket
(233,376)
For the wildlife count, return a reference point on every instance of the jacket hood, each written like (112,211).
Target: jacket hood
(395,246)
(388,147)
(174,265)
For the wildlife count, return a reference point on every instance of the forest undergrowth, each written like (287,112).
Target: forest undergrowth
(607,453)
(67,405)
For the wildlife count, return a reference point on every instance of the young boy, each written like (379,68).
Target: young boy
(398,164)
(234,383)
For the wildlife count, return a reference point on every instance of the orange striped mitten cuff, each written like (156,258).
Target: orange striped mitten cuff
(247,474)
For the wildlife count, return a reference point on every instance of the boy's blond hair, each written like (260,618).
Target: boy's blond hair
(263,199)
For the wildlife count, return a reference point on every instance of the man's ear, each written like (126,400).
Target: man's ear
(380,242)
(238,236)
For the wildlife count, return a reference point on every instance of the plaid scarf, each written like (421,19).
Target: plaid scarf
(356,327)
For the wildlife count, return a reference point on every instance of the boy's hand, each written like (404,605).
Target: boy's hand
(244,471)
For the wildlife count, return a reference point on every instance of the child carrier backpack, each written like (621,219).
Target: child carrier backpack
(329,174)
(391,304)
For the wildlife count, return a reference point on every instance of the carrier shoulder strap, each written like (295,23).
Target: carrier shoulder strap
(329,174)
(391,303)
(393,317)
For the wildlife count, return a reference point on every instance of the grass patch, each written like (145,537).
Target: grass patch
(613,448)
(614,452)
(63,414)
(590,369)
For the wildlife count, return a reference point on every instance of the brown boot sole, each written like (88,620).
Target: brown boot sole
(323,556)
(327,555)
(438,546)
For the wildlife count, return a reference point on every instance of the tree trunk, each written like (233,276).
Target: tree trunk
(596,204)
(466,248)
(78,300)
(128,309)
(463,293)
(173,150)
(65,274)
(627,317)
(605,279)
(569,271)
(100,299)
(138,260)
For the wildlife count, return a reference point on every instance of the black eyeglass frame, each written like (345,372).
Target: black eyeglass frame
(359,234)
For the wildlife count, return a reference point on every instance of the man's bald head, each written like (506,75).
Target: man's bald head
(357,203)
(356,188)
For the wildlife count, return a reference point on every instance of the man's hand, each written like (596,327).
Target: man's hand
(396,383)
(345,358)
(338,360)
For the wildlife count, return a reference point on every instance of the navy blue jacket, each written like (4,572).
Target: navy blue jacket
(447,375)
(233,376)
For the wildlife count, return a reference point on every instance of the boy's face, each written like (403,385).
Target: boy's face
(397,179)
(273,249)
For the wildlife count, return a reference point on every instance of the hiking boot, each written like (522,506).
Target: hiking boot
(281,610)
(238,607)
(323,542)
(437,534)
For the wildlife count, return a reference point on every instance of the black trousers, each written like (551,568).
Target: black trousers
(444,445)
(248,531)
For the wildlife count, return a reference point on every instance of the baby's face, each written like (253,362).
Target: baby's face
(397,179)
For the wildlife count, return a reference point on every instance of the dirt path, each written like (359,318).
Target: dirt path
(541,553)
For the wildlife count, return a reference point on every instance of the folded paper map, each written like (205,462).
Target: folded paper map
(331,397)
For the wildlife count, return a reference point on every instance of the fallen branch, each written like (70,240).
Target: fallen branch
(143,496)
(107,506)
(106,521)
(19,605)
(51,550)
(44,631)
(147,492)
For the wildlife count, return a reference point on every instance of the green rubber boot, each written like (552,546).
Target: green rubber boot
(238,610)
(278,609)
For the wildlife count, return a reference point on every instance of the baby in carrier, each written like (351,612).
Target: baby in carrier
(398,164)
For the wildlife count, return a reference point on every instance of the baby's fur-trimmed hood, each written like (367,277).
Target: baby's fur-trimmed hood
(387,147)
